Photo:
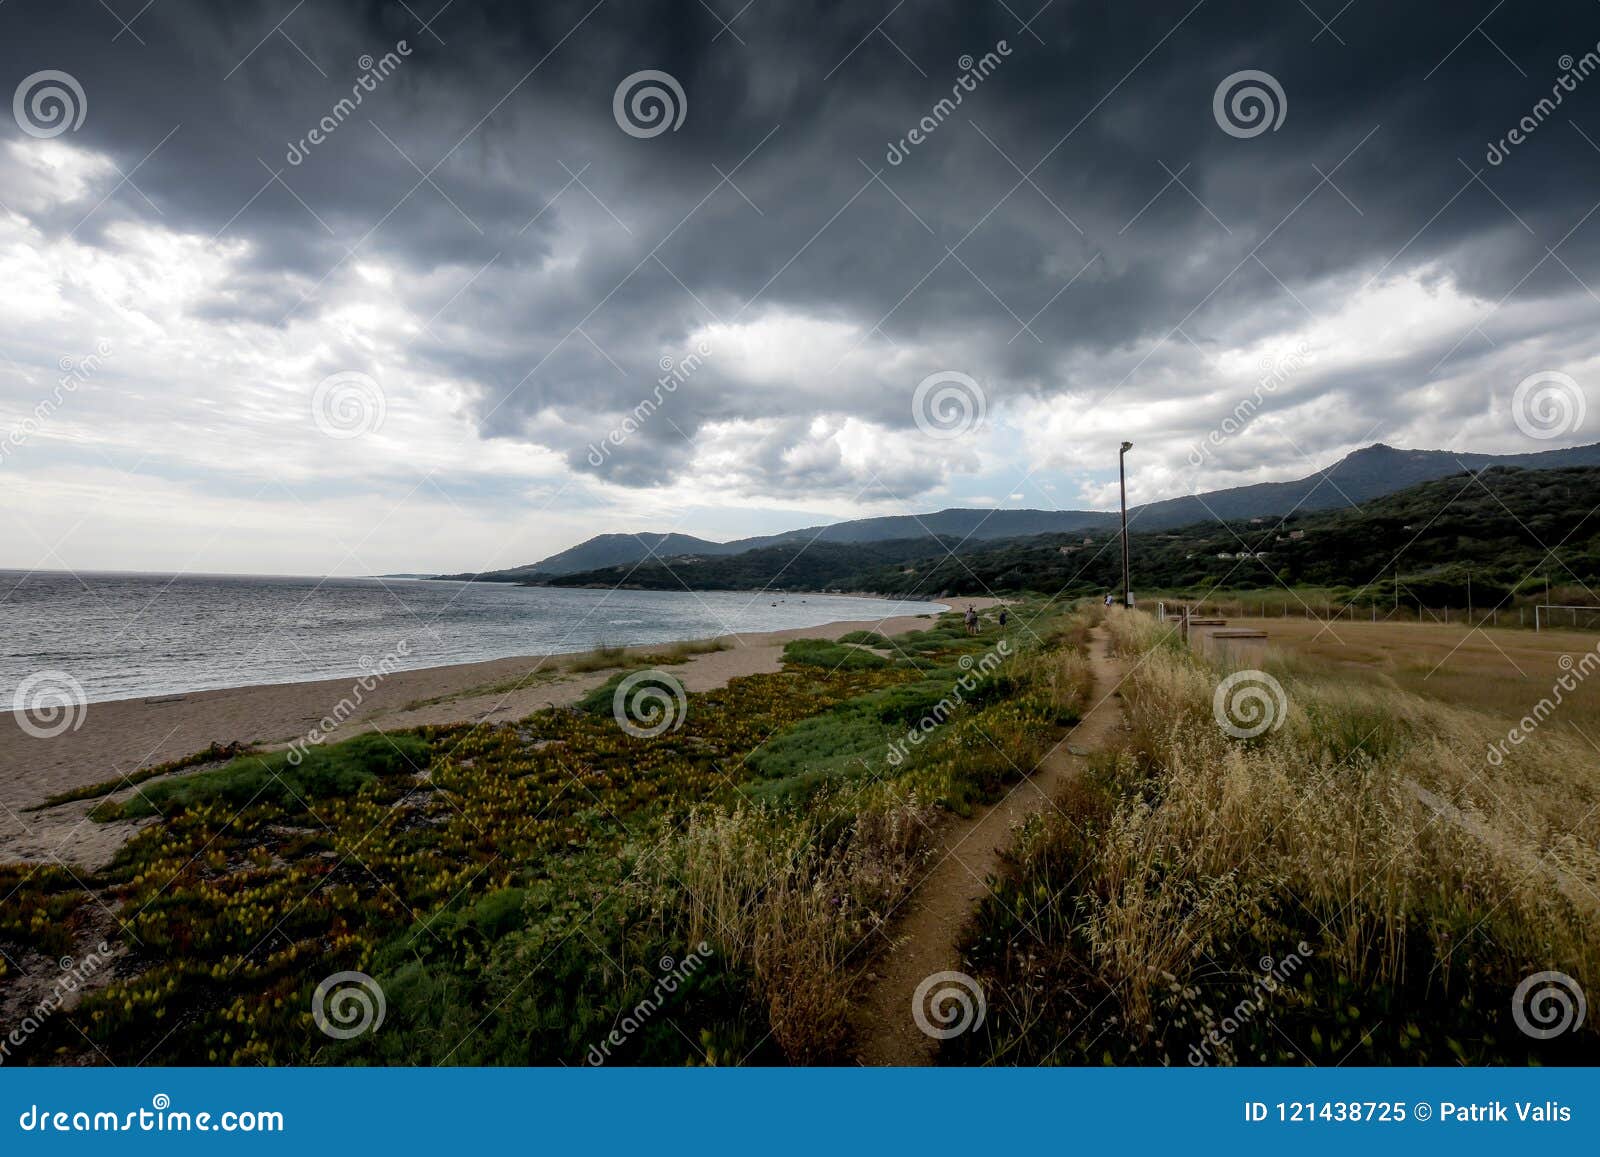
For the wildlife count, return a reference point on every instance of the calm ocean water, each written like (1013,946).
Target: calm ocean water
(128,635)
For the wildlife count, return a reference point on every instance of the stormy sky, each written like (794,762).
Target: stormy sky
(360,287)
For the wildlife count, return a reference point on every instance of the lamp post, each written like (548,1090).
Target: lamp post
(1122,481)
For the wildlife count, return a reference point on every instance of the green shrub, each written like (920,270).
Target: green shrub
(273,777)
(830,655)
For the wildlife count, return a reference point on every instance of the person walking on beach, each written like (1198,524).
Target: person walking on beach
(1002,618)
(972,619)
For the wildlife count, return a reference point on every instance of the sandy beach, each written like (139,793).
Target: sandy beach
(120,737)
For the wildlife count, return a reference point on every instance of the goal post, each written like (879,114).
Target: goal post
(1552,615)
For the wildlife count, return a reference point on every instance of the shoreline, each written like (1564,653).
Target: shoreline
(547,657)
(118,737)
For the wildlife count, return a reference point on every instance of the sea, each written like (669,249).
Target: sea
(123,636)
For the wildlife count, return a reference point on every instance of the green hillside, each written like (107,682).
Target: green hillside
(1502,527)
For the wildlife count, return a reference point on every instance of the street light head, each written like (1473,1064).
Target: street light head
(1126,446)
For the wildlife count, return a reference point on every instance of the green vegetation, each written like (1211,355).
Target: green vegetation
(51,902)
(514,888)
(1492,528)
(279,778)
(796,566)
(864,638)
(1497,527)
(833,656)
(215,753)
(518,891)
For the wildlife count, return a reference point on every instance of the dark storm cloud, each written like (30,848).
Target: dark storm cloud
(556,259)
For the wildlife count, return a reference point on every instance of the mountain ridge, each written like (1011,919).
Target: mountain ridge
(1443,541)
(1370,472)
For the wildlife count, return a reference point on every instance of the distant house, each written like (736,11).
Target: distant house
(1067,549)
(1257,521)
(1224,554)
(1296,535)
(1088,542)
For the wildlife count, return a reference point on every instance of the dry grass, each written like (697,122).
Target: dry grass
(781,900)
(600,658)
(1326,813)
(1500,671)
(679,652)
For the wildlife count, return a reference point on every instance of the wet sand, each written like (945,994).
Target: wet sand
(117,738)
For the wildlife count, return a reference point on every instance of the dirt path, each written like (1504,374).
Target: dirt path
(933,916)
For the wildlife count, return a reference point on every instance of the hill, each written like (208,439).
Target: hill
(1495,526)
(604,550)
(1507,527)
(788,566)
(1362,475)
(1356,478)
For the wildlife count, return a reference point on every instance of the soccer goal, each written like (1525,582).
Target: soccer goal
(1554,615)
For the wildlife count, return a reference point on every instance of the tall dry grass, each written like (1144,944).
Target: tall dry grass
(787,902)
(1369,817)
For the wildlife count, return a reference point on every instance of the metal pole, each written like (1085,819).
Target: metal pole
(1122,482)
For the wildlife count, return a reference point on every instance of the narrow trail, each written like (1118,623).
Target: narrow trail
(969,852)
